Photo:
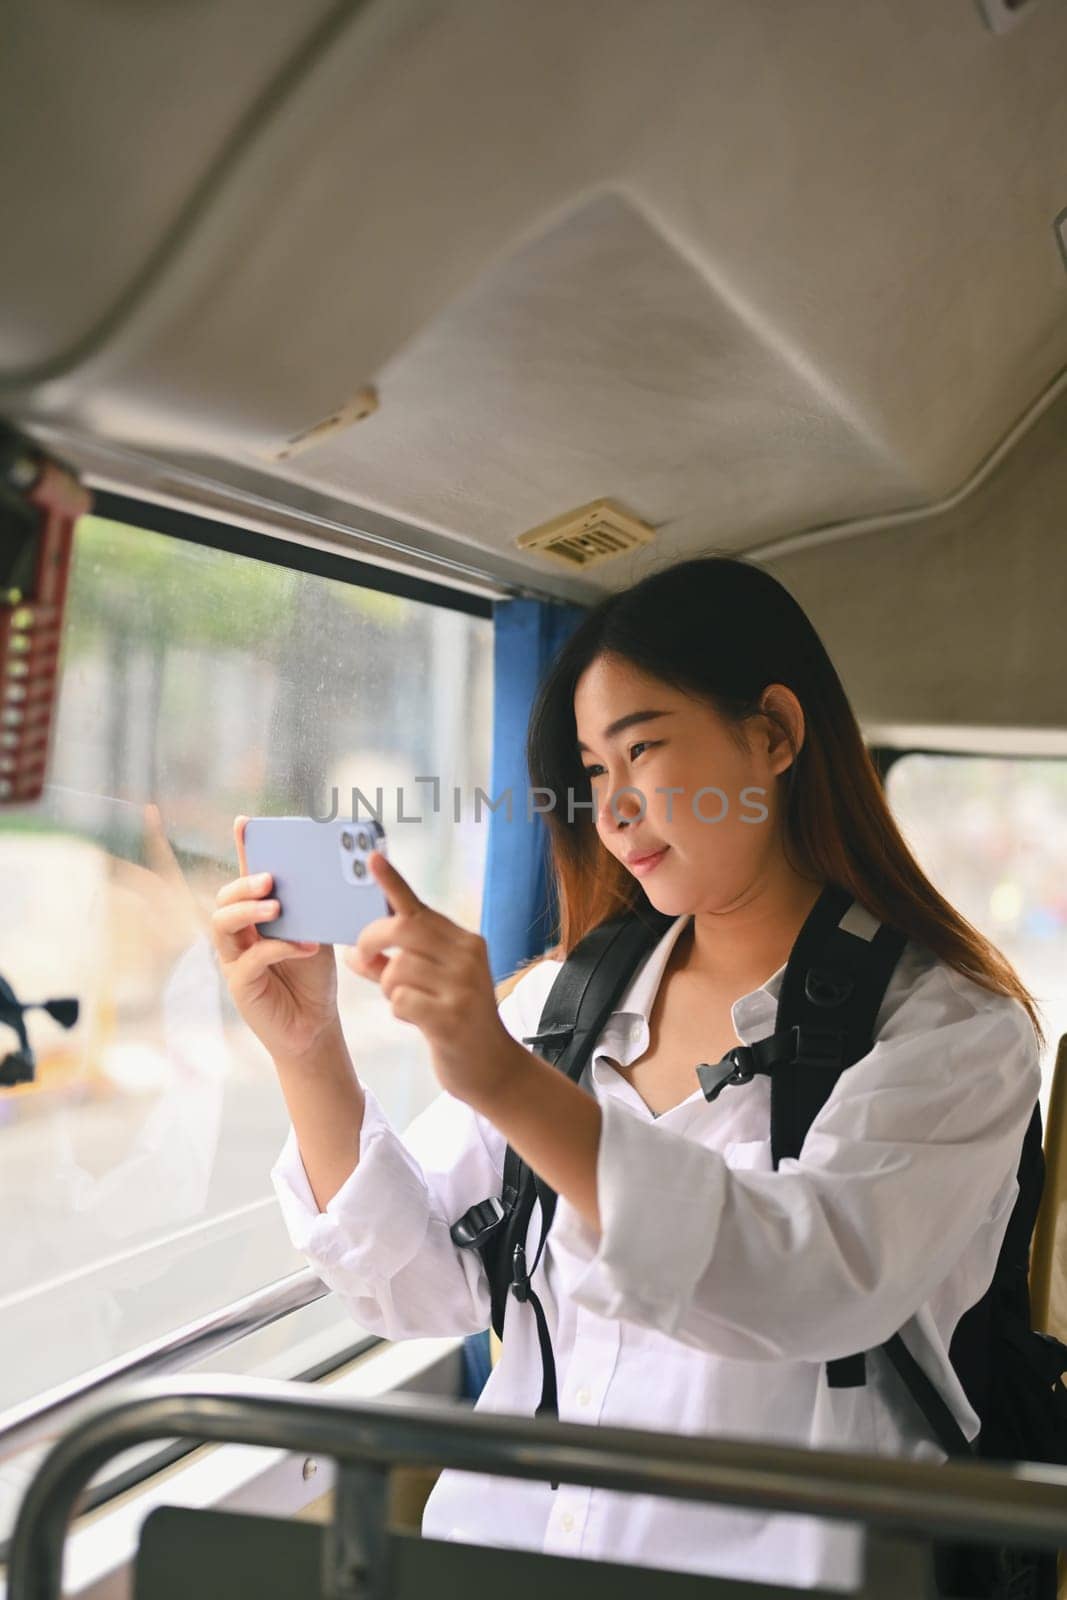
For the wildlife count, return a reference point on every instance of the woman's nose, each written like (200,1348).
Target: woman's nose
(618,808)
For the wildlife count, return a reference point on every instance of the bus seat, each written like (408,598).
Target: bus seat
(219,1554)
(1048,1254)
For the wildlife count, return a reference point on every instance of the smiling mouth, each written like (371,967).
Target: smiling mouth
(652,859)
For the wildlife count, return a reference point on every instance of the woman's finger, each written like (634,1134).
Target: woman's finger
(262,954)
(253,888)
(371,969)
(399,893)
(422,934)
(239,839)
(417,1006)
(412,971)
(233,927)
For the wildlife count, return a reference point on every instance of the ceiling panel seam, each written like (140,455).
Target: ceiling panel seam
(831,533)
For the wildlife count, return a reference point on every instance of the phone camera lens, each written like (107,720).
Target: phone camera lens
(346,841)
(359,869)
(362,841)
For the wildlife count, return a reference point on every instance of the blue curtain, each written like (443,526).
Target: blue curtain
(516,914)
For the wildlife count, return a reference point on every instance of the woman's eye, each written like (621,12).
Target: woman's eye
(596,770)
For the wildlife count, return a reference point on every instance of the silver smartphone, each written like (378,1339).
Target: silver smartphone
(322,882)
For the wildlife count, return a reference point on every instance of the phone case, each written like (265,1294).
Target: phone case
(321,891)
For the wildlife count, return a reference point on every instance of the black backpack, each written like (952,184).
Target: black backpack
(834,984)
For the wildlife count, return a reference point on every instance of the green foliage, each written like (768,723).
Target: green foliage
(387,610)
(146,586)
(29,821)
(150,587)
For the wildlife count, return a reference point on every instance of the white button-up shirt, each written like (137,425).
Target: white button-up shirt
(718,1287)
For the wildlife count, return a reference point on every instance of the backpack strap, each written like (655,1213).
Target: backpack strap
(581,999)
(834,984)
(940,1420)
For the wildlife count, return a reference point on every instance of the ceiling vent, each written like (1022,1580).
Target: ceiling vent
(592,533)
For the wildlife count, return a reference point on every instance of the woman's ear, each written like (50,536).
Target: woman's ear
(785,722)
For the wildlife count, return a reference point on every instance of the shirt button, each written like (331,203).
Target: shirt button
(566,1521)
(583,1396)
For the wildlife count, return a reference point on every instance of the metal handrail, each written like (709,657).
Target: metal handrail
(1020,1505)
(35,1421)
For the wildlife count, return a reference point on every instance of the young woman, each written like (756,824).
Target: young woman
(704,755)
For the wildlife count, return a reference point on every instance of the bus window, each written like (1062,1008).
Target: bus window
(135,1180)
(991,834)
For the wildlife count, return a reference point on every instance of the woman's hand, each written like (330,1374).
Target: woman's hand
(439,979)
(286,992)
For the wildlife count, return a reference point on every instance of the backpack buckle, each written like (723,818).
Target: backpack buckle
(520,1278)
(735,1067)
(817,1047)
(556,1038)
(478,1224)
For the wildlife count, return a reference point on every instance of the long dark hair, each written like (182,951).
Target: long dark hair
(724,629)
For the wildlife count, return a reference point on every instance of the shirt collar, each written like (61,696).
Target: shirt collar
(626,1033)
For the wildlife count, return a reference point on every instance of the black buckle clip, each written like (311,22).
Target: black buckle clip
(735,1067)
(520,1278)
(816,1047)
(478,1224)
(555,1038)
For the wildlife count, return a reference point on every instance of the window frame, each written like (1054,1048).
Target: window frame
(152,517)
(886,756)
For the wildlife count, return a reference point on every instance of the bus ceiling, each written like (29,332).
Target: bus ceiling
(423,280)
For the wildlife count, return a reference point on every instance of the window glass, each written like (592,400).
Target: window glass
(991,835)
(135,1172)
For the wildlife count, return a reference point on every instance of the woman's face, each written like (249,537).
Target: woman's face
(674,784)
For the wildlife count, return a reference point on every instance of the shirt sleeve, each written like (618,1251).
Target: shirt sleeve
(917,1146)
(383,1243)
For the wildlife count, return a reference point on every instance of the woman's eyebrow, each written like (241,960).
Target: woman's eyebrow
(627,722)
